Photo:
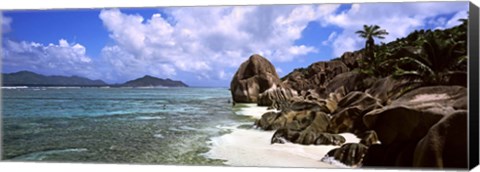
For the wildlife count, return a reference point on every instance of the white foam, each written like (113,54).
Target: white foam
(249,147)
(251,109)
(149,117)
(44,154)
(182,128)
(60,87)
(333,161)
(158,136)
(39,89)
(14,87)
(187,128)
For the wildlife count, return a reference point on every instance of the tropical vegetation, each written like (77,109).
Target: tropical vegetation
(424,57)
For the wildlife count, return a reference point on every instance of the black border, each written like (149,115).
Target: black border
(473,106)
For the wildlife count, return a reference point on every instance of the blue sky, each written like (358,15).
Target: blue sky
(202,46)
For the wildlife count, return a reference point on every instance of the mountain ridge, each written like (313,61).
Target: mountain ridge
(29,78)
(151,81)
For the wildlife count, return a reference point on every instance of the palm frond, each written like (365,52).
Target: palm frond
(420,64)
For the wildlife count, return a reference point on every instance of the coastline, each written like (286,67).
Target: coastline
(251,147)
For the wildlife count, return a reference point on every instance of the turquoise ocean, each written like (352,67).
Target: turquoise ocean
(171,126)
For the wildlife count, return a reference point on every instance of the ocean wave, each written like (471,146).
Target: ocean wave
(149,117)
(182,128)
(14,87)
(39,89)
(57,87)
(40,155)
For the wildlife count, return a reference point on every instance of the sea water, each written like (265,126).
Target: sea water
(115,125)
(172,126)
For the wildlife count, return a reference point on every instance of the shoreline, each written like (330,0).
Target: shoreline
(251,147)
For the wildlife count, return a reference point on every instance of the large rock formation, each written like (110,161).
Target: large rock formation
(445,143)
(418,110)
(275,95)
(387,89)
(303,127)
(253,77)
(351,81)
(315,75)
(414,122)
(329,139)
(350,154)
(296,120)
(351,58)
(348,116)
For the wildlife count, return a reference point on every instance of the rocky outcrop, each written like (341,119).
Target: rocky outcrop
(445,144)
(399,154)
(349,115)
(351,81)
(330,139)
(253,77)
(296,120)
(387,89)
(368,138)
(270,121)
(350,154)
(418,110)
(414,122)
(311,99)
(303,128)
(310,134)
(314,76)
(319,106)
(275,95)
(351,58)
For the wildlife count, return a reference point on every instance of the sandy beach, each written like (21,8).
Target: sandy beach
(251,147)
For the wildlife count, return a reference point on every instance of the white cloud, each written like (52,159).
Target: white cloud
(454,20)
(203,40)
(6,21)
(330,38)
(67,58)
(209,41)
(398,19)
(279,70)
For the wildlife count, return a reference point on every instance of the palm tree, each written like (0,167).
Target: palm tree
(435,61)
(369,32)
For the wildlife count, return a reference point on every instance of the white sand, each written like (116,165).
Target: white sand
(248,147)
(253,110)
(251,147)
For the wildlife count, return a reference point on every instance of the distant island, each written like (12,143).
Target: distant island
(150,81)
(28,78)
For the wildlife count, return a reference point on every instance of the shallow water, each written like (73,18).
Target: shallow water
(116,125)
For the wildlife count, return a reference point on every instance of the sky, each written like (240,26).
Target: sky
(201,46)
